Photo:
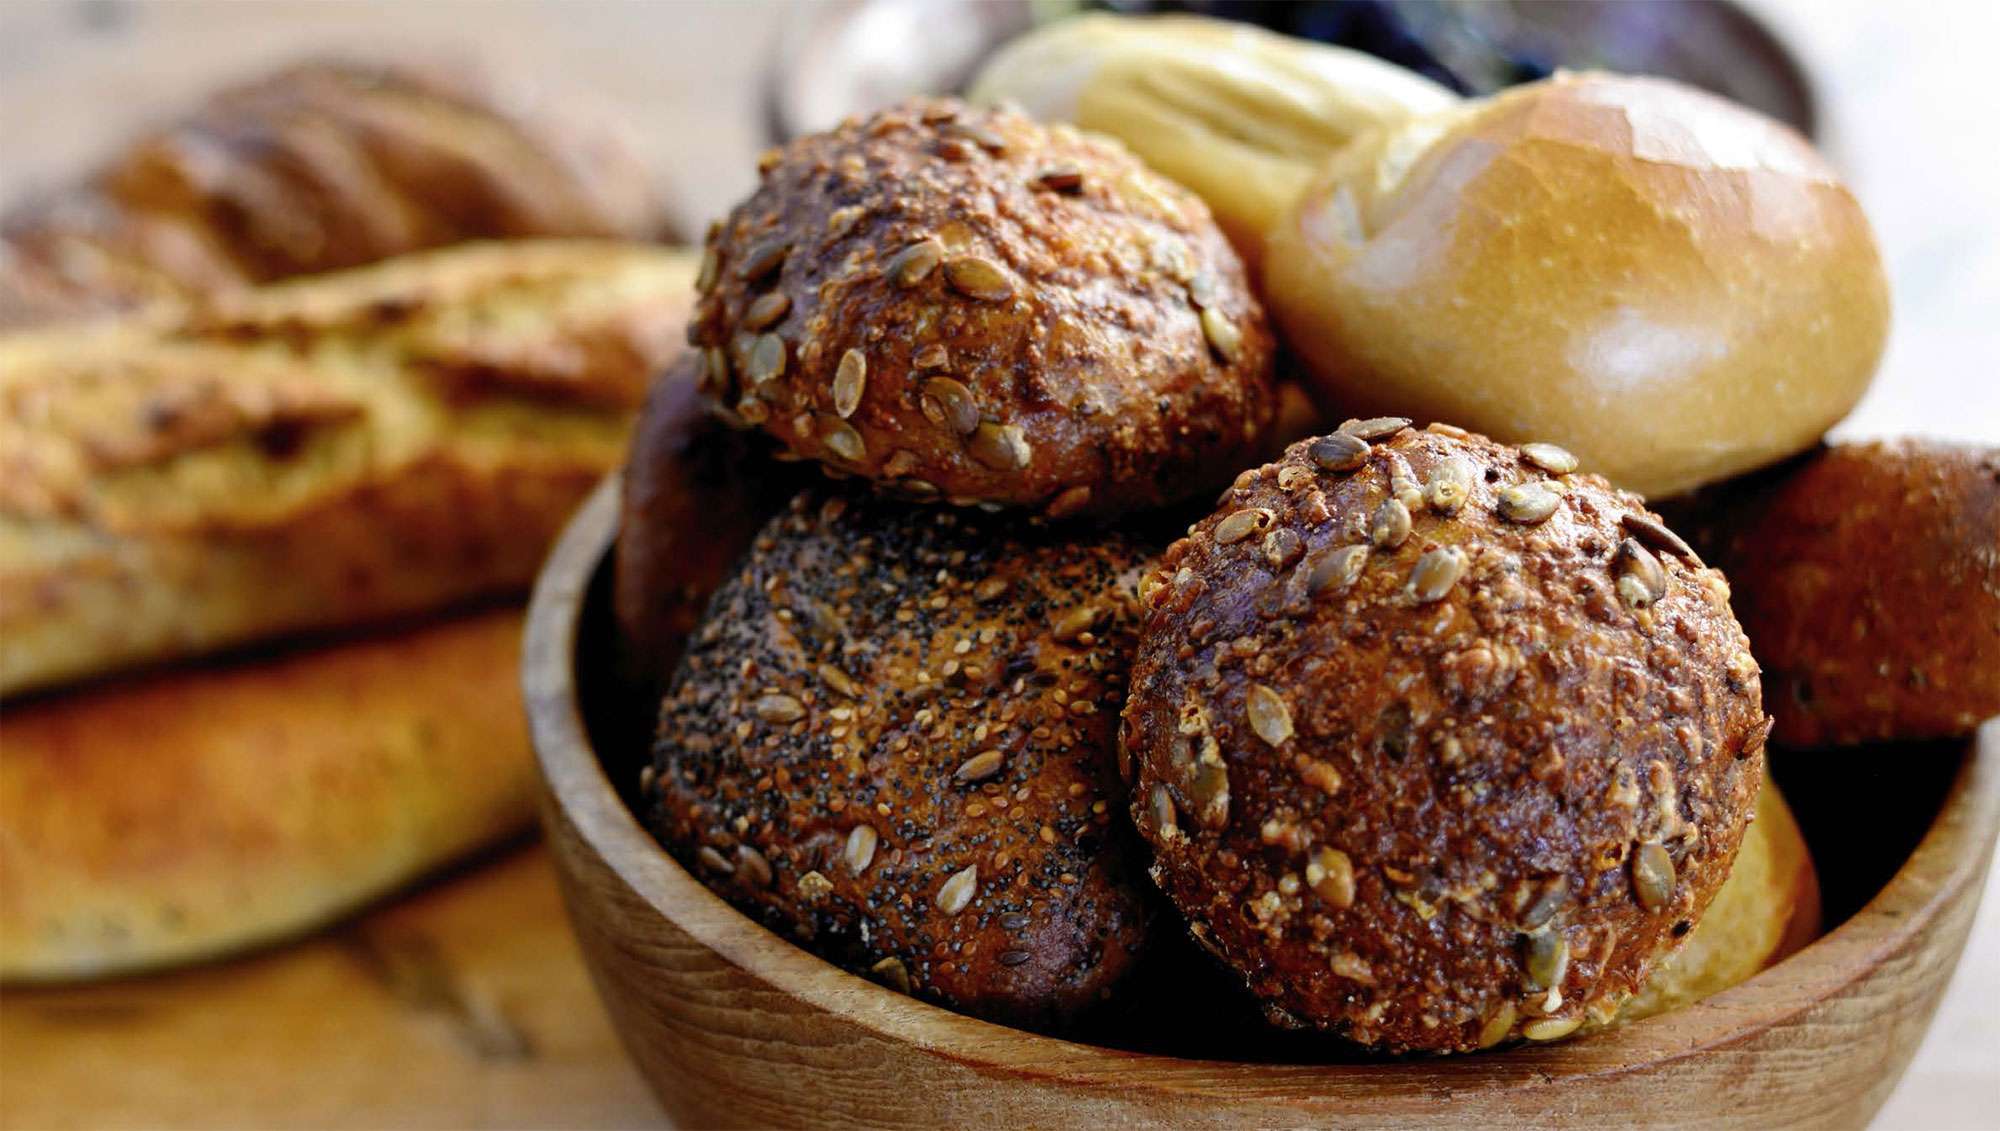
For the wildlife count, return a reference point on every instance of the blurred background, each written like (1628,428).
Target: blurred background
(1897,95)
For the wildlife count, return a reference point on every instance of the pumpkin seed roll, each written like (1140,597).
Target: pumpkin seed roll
(893,739)
(1439,743)
(963,304)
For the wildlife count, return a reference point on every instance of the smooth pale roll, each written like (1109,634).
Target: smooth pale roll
(1240,115)
(1673,287)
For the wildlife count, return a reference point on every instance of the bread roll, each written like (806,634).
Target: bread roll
(322,166)
(1868,577)
(315,454)
(1436,743)
(962,304)
(1240,115)
(1765,911)
(200,811)
(1673,287)
(893,739)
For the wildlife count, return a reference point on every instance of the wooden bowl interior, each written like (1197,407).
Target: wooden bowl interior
(1863,812)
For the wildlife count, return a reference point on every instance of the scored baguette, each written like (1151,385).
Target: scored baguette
(317,453)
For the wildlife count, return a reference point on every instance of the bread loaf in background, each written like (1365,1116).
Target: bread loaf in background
(193,812)
(1673,287)
(1242,116)
(322,166)
(315,454)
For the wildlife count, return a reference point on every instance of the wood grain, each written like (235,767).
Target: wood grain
(464,1005)
(734,1026)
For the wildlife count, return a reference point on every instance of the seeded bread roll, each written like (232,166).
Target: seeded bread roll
(315,454)
(325,165)
(962,303)
(893,739)
(1868,577)
(1674,287)
(1436,743)
(695,493)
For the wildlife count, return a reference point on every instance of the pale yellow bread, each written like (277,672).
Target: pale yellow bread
(200,811)
(1766,909)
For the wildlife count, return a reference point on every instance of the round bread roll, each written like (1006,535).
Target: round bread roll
(961,303)
(1766,911)
(1672,286)
(893,738)
(1241,115)
(1435,743)
(1868,577)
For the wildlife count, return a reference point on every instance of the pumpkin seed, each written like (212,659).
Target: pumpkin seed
(1545,957)
(711,270)
(763,259)
(1498,1026)
(1165,819)
(1375,427)
(1655,534)
(1551,1028)
(1238,525)
(766,310)
(841,438)
(949,404)
(1652,876)
(1210,792)
(1549,457)
(1339,452)
(767,359)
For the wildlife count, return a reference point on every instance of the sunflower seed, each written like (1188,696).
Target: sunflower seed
(1375,427)
(1331,876)
(949,404)
(1339,452)
(1239,525)
(763,259)
(839,680)
(1269,717)
(1062,178)
(1435,573)
(990,589)
(1652,876)
(1074,623)
(714,861)
(715,371)
(1014,957)
(1068,502)
(814,887)
(751,867)
(850,379)
(841,439)
(1655,534)
(1353,967)
(842,220)
(914,264)
(778,708)
(1545,958)
(766,310)
(958,891)
(1551,1028)
(1450,485)
(931,357)
(1165,820)
(1549,457)
(752,411)
(1335,570)
(1498,1026)
(892,973)
(1001,447)
(1282,547)
(978,278)
(1210,792)
(711,269)
(979,767)
(1641,578)
(859,851)
(1528,503)
(1390,527)
(1222,334)
(1547,900)
(767,359)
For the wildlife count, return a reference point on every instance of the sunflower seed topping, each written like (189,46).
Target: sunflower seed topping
(1450,486)
(1335,570)
(1528,503)
(1339,452)
(1375,427)
(1062,178)
(1655,534)
(914,264)
(841,439)
(1165,819)
(1551,1028)
(892,973)
(778,708)
(751,867)
(958,891)
(1002,447)
(1390,527)
(1075,623)
(1282,547)
(714,861)
(949,404)
(1652,876)
(711,270)
(1641,578)
(979,767)
(1549,457)
(767,359)
(859,851)
(766,310)
(850,380)
(1269,717)
(1239,525)
(1435,573)
(1222,334)
(764,259)
(978,278)
(1545,958)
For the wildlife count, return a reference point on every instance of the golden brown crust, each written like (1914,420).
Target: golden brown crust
(314,454)
(1415,792)
(695,493)
(892,738)
(963,303)
(196,812)
(1868,578)
(322,166)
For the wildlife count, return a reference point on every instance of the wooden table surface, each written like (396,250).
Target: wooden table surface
(464,1004)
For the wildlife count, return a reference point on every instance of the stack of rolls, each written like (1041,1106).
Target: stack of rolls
(1434,742)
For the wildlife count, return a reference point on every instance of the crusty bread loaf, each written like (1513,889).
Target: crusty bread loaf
(323,166)
(1766,909)
(194,812)
(314,454)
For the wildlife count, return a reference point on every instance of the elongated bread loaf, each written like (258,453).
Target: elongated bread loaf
(323,166)
(315,454)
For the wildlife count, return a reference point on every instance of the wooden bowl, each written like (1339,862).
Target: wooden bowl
(733,1025)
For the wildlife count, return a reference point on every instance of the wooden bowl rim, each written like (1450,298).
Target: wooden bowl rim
(1948,859)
